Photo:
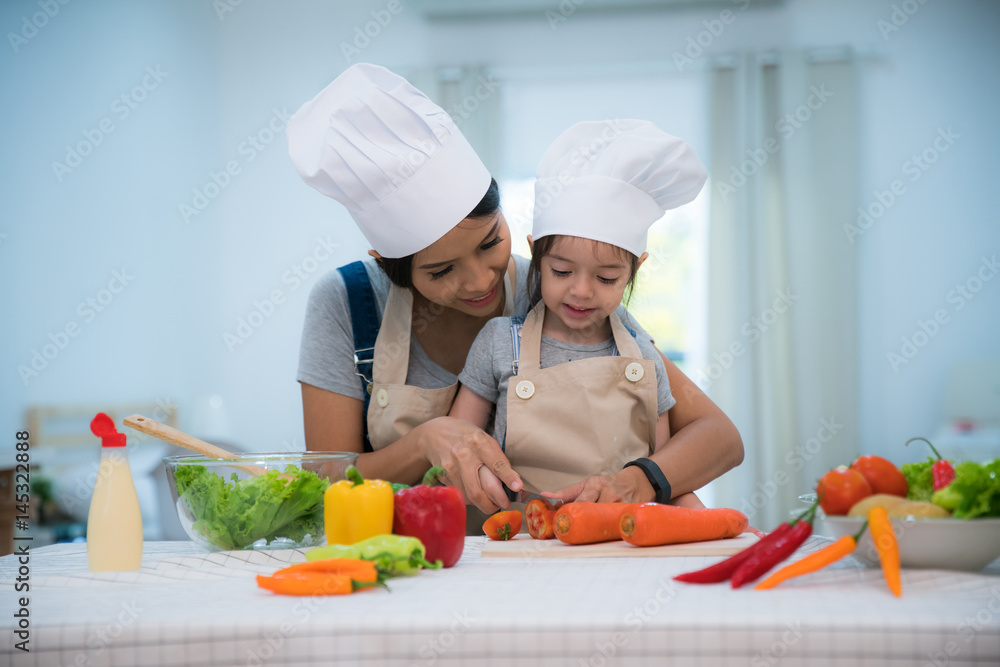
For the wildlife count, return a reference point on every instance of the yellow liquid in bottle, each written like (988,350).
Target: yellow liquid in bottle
(114,524)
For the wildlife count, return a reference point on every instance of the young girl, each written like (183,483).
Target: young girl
(576,393)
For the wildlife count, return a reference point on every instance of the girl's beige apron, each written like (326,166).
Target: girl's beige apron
(396,407)
(578,419)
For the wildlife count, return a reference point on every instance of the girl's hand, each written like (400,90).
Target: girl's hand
(628,486)
(472,460)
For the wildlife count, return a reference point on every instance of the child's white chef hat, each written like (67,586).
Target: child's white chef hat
(610,180)
(395,159)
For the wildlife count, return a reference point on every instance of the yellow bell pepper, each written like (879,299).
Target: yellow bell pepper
(355,509)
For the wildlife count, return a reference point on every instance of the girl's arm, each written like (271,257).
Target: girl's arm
(471,407)
(662,431)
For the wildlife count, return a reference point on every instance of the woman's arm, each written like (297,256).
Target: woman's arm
(333,422)
(703,445)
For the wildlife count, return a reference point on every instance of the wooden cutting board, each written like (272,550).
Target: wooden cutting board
(524,546)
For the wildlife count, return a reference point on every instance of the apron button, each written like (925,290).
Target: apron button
(634,372)
(525,389)
(382,398)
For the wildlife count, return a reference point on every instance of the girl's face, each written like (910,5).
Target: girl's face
(464,269)
(582,283)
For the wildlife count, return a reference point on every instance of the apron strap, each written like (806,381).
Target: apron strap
(365,323)
(515,340)
(532,325)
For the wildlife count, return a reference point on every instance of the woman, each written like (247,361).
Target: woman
(442,268)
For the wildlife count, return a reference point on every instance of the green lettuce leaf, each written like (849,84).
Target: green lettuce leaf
(235,514)
(974,492)
(920,479)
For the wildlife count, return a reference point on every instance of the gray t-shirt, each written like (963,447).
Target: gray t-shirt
(489,366)
(326,355)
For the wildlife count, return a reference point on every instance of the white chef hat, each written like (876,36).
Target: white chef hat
(395,159)
(610,180)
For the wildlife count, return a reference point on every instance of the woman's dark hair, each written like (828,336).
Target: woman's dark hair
(400,269)
(543,246)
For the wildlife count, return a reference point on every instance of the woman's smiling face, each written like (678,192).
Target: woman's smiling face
(464,269)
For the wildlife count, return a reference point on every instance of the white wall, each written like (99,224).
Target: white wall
(162,337)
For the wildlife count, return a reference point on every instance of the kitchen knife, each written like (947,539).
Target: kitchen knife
(524,496)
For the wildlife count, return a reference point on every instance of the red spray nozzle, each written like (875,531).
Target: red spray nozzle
(104,428)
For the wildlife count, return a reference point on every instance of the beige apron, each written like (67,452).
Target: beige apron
(396,407)
(582,418)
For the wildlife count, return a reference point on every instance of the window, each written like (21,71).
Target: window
(671,292)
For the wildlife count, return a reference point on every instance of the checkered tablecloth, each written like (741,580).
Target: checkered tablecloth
(186,607)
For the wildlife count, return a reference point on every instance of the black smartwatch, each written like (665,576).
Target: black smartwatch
(656,478)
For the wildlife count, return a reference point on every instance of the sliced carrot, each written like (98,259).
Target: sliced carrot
(355,568)
(587,523)
(503,525)
(653,524)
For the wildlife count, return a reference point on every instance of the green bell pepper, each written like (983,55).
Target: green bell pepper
(393,555)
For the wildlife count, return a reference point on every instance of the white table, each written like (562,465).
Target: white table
(186,607)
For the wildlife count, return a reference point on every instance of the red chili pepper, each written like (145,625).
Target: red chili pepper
(943,473)
(722,570)
(433,514)
(775,552)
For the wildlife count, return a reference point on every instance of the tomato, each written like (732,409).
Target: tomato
(540,515)
(840,488)
(882,475)
(503,525)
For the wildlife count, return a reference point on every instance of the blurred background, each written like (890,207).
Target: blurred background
(832,288)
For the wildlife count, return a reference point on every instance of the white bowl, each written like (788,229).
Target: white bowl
(938,544)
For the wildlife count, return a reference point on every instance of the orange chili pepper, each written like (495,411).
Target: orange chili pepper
(813,562)
(308,583)
(888,548)
(335,576)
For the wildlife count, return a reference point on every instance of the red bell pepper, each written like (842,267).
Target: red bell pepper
(433,514)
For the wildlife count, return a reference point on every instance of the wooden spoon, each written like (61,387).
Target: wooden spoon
(181,439)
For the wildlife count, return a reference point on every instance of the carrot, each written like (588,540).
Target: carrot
(355,568)
(503,525)
(888,549)
(587,523)
(653,524)
(811,563)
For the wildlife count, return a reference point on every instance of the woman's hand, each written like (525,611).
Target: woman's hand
(628,486)
(472,460)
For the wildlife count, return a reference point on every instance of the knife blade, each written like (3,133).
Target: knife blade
(524,496)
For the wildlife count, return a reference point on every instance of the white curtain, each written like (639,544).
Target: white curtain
(782,280)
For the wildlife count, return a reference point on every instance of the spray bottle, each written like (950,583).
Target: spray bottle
(114,525)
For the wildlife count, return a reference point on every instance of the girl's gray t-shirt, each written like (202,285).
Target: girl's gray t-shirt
(489,366)
(326,354)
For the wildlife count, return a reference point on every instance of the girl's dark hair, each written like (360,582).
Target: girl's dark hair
(400,269)
(543,246)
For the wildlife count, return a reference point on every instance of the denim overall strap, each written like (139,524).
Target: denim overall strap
(365,322)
